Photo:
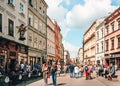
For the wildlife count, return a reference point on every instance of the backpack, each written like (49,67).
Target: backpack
(86,68)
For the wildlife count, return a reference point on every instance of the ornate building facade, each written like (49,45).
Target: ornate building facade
(89,43)
(112,38)
(37,31)
(13,14)
(50,40)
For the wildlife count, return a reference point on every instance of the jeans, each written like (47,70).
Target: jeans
(82,73)
(71,74)
(54,78)
(76,75)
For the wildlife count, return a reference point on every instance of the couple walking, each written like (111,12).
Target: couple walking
(47,70)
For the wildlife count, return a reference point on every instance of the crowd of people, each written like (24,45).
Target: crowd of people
(87,70)
(56,69)
(15,70)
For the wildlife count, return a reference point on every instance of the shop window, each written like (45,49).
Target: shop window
(10,27)
(0,22)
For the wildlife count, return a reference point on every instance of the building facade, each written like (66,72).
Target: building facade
(37,31)
(57,40)
(112,38)
(67,59)
(13,14)
(89,43)
(80,56)
(100,43)
(50,40)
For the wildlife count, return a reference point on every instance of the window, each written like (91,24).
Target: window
(10,27)
(107,30)
(112,26)
(102,45)
(102,32)
(97,48)
(30,20)
(112,44)
(21,8)
(35,42)
(119,24)
(36,23)
(97,35)
(119,42)
(0,22)
(35,4)
(107,44)
(11,3)
(30,3)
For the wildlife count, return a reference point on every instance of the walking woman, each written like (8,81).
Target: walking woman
(54,73)
(45,71)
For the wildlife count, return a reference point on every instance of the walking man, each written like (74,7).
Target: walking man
(71,67)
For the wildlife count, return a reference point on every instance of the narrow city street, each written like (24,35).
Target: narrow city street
(65,80)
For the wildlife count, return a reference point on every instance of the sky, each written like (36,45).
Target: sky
(75,17)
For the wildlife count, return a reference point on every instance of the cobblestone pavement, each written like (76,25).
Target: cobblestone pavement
(65,80)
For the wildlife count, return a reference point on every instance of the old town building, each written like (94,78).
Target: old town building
(57,40)
(100,43)
(89,43)
(61,50)
(50,40)
(13,22)
(112,38)
(67,59)
(37,31)
(80,56)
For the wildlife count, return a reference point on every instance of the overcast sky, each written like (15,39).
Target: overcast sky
(75,16)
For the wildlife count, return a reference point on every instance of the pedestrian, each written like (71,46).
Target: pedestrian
(82,71)
(65,69)
(45,70)
(76,71)
(54,72)
(71,67)
(58,69)
(86,72)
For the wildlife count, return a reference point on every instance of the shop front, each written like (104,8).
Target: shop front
(113,59)
(34,57)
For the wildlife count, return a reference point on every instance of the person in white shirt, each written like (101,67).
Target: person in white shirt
(76,71)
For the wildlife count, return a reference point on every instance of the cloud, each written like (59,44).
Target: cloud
(81,16)
(55,10)
(72,49)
